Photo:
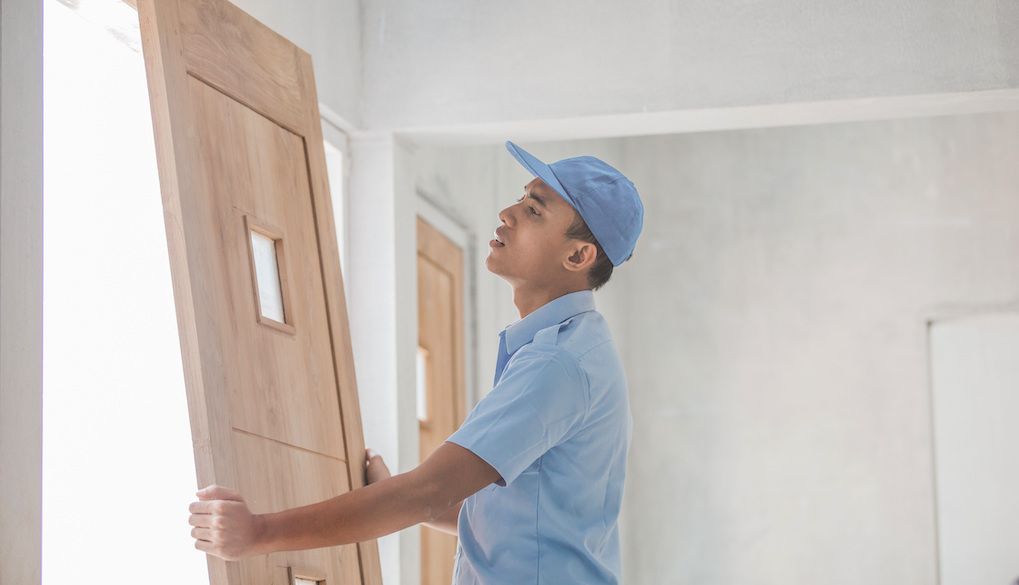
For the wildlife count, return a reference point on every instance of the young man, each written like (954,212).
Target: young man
(533,479)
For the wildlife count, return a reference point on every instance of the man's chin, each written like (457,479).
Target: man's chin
(493,266)
(490,265)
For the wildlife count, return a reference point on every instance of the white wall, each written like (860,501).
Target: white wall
(382,302)
(440,63)
(401,64)
(331,31)
(777,341)
(20,291)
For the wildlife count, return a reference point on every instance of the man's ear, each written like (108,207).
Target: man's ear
(581,257)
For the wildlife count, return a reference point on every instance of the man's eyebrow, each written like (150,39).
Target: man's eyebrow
(536,197)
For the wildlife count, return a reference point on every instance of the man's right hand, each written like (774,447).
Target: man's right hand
(374,467)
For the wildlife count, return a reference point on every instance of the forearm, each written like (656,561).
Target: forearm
(447,522)
(359,515)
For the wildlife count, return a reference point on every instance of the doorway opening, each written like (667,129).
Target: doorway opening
(118,465)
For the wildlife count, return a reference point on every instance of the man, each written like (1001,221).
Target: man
(533,479)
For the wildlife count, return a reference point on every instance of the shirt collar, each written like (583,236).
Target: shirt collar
(522,331)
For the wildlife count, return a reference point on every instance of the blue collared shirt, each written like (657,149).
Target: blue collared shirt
(557,427)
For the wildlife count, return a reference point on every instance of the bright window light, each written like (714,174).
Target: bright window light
(422,384)
(118,465)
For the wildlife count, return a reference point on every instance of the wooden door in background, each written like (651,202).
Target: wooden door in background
(441,393)
(256,277)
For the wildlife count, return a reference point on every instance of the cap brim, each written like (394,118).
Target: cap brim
(538,169)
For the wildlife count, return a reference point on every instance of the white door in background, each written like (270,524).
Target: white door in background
(975,390)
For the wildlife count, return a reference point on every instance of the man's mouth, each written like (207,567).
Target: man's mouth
(496,242)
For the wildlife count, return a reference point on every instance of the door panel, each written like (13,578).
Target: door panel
(273,469)
(272,398)
(280,386)
(440,336)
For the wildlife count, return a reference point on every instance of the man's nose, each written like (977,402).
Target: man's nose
(506,215)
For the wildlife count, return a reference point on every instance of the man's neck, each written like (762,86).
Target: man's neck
(528,299)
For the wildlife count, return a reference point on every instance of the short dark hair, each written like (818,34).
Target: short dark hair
(601,271)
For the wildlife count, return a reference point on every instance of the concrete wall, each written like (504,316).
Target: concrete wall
(446,63)
(777,341)
(20,292)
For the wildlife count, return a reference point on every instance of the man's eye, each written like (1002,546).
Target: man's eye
(531,207)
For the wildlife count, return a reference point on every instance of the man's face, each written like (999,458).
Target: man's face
(531,245)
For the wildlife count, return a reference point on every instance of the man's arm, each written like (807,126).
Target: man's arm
(376,470)
(226,528)
(447,522)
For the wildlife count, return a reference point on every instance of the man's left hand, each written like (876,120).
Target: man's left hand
(223,525)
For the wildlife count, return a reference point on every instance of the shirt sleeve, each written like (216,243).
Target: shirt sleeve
(540,401)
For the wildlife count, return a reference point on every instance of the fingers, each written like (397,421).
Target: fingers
(371,457)
(375,468)
(201,520)
(214,508)
(218,492)
(203,545)
(202,534)
(205,507)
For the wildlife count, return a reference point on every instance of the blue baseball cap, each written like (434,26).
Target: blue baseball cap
(606,200)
